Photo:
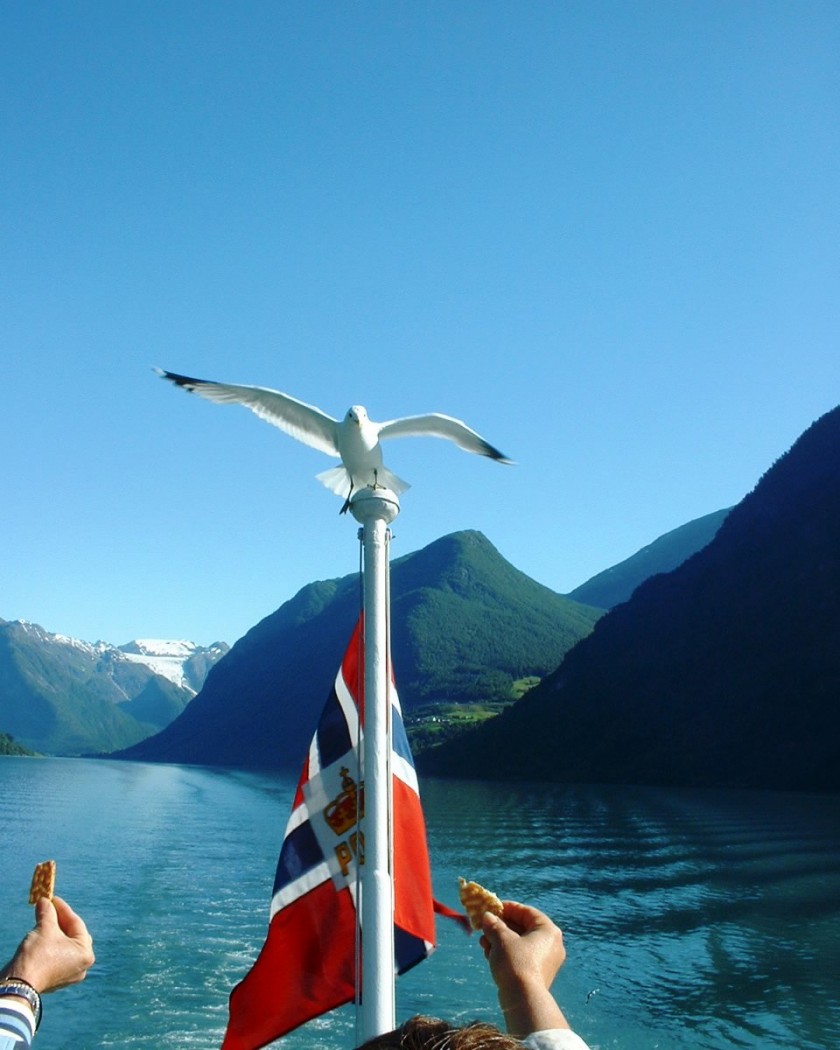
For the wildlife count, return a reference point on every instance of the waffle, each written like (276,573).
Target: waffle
(477,900)
(43,881)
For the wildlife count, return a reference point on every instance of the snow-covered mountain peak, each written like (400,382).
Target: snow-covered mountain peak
(182,662)
(164,647)
(174,659)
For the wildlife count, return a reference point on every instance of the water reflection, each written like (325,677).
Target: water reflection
(717,913)
(693,919)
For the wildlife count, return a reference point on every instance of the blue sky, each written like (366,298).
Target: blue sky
(604,234)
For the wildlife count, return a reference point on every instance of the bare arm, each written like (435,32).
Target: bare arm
(525,950)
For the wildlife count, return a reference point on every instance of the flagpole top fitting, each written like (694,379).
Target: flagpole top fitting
(374,503)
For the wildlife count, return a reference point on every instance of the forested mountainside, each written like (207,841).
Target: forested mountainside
(725,671)
(465,623)
(64,696)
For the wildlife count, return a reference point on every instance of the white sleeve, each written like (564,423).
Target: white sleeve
(555,1039)
(17,1024)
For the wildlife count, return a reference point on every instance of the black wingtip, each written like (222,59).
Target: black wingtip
(494,453)
(187,382)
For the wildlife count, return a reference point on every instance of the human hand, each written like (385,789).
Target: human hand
(524,945)
(524,949)
(57,952)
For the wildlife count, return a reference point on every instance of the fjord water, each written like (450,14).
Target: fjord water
(702,920)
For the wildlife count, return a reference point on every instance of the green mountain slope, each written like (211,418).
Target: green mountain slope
(615,585)
(725,671)
(8,746)
(465,626)
(60,696)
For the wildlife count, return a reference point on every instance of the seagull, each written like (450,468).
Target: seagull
(355,440)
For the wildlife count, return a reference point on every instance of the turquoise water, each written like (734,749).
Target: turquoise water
(692,919)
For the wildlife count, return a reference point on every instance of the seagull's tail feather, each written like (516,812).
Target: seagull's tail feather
(391,481)
(336,479)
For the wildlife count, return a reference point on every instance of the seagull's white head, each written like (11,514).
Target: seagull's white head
(357,414)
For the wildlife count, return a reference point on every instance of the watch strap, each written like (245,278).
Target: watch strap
(23,990)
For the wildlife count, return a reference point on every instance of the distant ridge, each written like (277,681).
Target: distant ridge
(64,696)
(615,585)
(466,624)
(724,672)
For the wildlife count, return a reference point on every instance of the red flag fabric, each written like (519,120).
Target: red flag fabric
(308,963)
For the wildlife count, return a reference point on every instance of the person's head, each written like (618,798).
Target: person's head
(430,1033)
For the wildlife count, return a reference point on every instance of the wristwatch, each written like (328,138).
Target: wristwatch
(24,990)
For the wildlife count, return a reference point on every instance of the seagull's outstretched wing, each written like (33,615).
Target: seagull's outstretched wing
(434,424)
(304,422)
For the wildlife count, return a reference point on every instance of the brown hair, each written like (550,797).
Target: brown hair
(430,1033)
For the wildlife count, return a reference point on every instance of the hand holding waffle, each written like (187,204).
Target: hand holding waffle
(56,953)
(524,949)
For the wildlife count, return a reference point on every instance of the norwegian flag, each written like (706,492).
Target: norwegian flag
(308,963)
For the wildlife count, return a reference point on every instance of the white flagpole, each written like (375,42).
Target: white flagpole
(375,509)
